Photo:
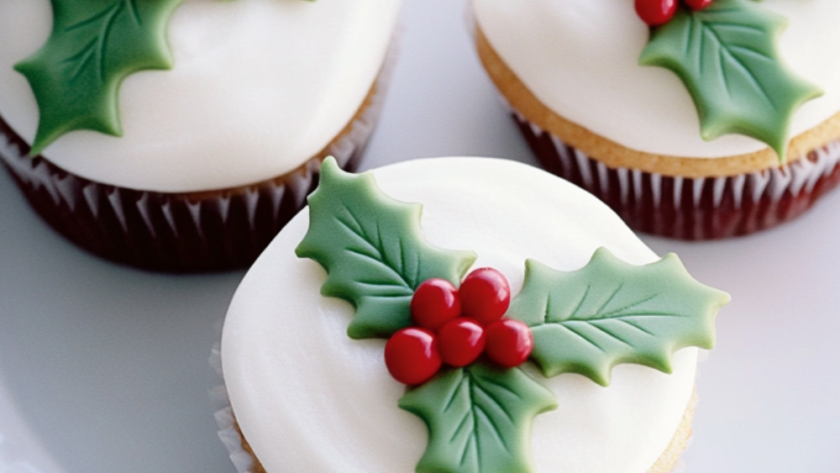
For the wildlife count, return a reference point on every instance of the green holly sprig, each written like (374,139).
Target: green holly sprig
(726,54)
(94,45)
(479,416)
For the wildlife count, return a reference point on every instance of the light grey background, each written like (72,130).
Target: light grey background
(105,369)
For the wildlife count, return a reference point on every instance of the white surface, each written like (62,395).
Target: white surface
(471,204)
(583,57)
(252,94)
(107,365)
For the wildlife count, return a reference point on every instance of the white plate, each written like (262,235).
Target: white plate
(103,368)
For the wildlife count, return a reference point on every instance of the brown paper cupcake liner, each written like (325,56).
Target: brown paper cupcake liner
(186,232)
(692,208)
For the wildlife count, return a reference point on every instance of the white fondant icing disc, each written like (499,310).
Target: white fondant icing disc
(308,398)
(258,87)
(580,58)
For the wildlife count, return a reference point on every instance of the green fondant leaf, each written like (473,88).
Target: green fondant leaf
(373,251)
(611,312)
(93,46)
(479,419)
(728,58)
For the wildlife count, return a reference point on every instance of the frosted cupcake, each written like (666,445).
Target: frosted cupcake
(213,139)
(504,320)
(736,130)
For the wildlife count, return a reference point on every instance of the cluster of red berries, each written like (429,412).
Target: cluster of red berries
(455,326)
(659,12)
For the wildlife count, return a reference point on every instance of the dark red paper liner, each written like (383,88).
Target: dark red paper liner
(175,232)
(692,208)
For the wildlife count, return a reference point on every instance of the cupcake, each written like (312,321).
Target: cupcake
(503,320)
(693,119)
(181,135)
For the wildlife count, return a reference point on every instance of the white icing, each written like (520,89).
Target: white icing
(258,87)
(579,58)
(308,398)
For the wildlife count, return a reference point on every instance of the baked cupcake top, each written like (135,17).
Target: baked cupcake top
(309,397)
(581,59)
(257,87)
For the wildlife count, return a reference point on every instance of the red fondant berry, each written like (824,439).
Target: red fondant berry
(656,12)
(698,4)
(485,295)
(411,355)
(509,342)
(460,341)
(434,303)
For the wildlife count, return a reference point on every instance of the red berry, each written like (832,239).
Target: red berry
(656,12)
(434,303)
(485,295)
(509,342)
(460,341)
(411,355)
(698,4)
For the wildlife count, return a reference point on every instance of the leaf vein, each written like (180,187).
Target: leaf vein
(689,32)
(86,54)
(586,339)
(610,298)
(751,52)
(90,20)
(644,314)
(700,36)
(110,20)
(495,402)
(607,332)
(501,386)
(577,306)
(376,259)
(735,27)
(621,310)
(386,290)
(751,78)
(736,62)
(378,256)
(135,11)
(454,394)
(404,267)
(358,229)
(495,430)
(471,442)
(381,296)
(458,429)
(478,409)
(634,325)
(727,82)
(474,433)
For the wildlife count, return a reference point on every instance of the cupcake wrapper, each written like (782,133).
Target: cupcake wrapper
(244,462)
(692,208)
(177,232)
(241,459)
(225,421)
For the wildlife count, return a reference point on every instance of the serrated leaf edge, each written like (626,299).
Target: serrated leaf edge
(709,130)
(717,300)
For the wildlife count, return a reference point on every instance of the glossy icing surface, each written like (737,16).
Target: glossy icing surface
(300,387)
(580,59)
(252,95)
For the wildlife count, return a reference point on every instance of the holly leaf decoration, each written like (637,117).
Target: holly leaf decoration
(373,251)
(479,419)
(612,312)
(727,56)
(93,46)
